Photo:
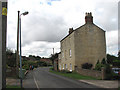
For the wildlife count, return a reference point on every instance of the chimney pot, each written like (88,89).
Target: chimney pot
(89,18)
(70,30)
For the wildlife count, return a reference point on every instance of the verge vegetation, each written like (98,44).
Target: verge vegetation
(73,75)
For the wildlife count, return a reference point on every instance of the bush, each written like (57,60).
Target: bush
(26,67)
(87,66)
(41,63)
(99,66)
(103,61)
(108,71)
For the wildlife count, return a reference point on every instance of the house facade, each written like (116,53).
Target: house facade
(86,44)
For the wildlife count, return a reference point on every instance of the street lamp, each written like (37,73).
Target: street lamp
(19,36)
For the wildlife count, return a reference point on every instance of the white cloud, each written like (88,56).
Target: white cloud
(43,49)
(112,42)
(48,22)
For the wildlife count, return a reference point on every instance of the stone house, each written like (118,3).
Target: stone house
(85,44)
(56,64)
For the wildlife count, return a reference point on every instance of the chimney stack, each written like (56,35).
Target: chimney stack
(88,18)
(70,30)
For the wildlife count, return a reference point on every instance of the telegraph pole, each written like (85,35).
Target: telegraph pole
(17,53)
(3,30)
(53,51)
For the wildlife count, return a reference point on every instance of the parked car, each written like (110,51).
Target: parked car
(116,74)
(116,70)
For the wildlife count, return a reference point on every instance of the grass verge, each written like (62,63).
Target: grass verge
(12,86)
(73,75)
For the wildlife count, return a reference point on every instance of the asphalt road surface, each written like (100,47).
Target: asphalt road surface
(42,78)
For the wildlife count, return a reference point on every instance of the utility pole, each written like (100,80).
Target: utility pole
(3,30)
(53,51)
(17,53)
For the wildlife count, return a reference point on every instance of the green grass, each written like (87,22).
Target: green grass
(12,86)
(73,75)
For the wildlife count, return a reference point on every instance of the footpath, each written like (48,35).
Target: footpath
(12,81)
(103,83)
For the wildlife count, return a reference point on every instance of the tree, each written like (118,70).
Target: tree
(119,55)
(110,58)
(103,61)
(10,58)
(98,62)
(53,57)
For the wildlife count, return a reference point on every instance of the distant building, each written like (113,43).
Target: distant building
(86,44)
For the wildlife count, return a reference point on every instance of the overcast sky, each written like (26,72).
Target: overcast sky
(48,22)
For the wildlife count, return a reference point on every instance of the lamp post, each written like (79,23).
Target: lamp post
(19,36)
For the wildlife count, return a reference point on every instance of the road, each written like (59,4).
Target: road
(42,78)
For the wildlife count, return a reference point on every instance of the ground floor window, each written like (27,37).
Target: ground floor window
(63,66)
(60,67)
(70,67)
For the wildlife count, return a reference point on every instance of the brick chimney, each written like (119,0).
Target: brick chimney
(88,18)
(70,30)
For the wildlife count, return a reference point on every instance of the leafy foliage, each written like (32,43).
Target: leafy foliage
(10,58)
(99,66)
(119,55)
(53,57)
(42,63)
(98,62)
(33,57)
(103,61)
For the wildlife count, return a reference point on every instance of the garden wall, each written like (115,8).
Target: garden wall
(92,73)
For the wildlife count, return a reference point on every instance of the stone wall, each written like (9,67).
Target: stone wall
(67,47)
(11,72)
(92,73)
(90,45)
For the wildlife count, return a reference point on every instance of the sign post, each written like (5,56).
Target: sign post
(3,30)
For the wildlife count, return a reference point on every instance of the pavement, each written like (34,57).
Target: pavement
(12,81)
(103,83)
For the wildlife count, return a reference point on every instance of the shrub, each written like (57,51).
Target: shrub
(87,66)
(108,71)
(42,63)
(99,66)
(98,62)
(26,67)
(103,61)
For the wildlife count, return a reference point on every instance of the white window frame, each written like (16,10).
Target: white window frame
(63,66)
(70,52)
(62,54)
(60,66)
(70,67)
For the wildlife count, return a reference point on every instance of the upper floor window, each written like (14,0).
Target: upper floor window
(70,53)
(62,54)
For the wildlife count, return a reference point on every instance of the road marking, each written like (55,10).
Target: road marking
(36,83)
